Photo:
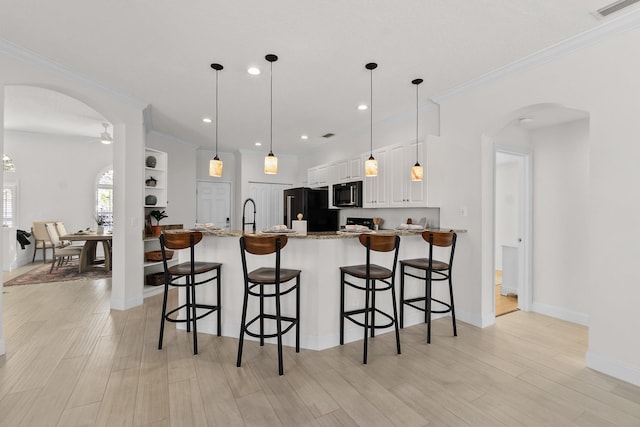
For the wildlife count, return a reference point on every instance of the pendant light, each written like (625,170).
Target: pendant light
(417,171)
(271,161)
(215,164)
(371,165)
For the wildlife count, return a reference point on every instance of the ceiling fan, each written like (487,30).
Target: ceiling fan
(105,137)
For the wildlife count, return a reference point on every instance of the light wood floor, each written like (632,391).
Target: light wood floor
(71,361)
(504,303)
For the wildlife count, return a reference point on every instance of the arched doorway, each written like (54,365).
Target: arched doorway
(549,237)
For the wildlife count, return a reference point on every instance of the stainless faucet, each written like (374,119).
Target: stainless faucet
(254,215)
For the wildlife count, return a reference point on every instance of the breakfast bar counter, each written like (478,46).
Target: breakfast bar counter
(319,256)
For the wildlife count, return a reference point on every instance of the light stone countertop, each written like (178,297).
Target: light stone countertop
(323,234)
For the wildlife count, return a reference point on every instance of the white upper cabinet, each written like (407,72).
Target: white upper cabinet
(349,169)
(404,191)
(376,188)
(321,175)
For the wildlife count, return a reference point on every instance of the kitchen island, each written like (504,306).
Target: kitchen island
(319,256)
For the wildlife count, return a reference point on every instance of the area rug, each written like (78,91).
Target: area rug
(65,273)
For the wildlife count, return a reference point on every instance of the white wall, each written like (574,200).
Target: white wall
(594,79)
(56,179)
(562,224)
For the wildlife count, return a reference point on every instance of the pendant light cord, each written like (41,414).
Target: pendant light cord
(216,113)
(417,119)
(271,111)
(371,114)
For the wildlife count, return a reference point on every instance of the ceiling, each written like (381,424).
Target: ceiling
(160,52)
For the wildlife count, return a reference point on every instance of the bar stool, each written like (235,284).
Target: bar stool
(371,274)
(434,271)
(187,271)
(255,283)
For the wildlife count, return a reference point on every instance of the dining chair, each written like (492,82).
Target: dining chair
(41,237)
(60,253)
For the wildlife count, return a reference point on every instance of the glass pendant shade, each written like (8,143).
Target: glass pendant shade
(417,172)
(371,167)
(215,167)
(270,164)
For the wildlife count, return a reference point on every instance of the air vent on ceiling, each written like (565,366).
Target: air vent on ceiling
(328,135)
(615,7)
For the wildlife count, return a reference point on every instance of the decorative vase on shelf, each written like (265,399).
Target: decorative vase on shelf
(156,230)
(150,200)
(151,182)
(151,162)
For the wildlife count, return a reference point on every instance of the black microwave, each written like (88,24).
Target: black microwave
(347,195)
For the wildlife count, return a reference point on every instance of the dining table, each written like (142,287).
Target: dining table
(88,258)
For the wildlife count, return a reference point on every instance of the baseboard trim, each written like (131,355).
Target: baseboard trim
(561,313)
(121,305)
(613,367)
(3,347)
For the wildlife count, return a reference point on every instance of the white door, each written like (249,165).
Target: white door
(513,223)
(213,203)
(269,204)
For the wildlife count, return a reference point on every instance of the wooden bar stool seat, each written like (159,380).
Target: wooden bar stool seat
(376,279)
(185,275)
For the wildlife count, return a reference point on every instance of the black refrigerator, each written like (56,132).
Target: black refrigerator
(313,204)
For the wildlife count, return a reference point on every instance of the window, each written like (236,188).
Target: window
(9,205)
(104,197)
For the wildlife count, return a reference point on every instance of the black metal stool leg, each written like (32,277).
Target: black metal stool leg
(194,314)
(401,296)
(395,316)
(298,314)
(218,301)
(164,313)
(366,321)
(453,310)
(279,330)
(243,322)
(341,308)
(373,308)
(427,307)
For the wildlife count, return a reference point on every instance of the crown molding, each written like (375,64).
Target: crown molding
(37,60)
(590,37)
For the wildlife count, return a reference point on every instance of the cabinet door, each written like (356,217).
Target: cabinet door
(414,190)
(312,177)
(342,169)
(376,188)
(356,170)
(396,176)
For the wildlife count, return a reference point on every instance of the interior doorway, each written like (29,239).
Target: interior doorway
(512,201)
(213,203)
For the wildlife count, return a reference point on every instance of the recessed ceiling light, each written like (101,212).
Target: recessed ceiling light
(525,120)
(258,144)
(362,107)
(304,137)
(254,71)
(206,119)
